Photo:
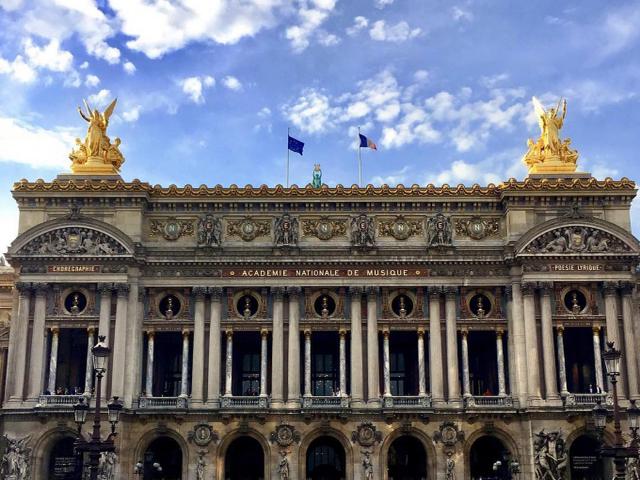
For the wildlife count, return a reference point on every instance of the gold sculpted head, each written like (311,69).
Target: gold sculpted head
(549,154)
(96,154)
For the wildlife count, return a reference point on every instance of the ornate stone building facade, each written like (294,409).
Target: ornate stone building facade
(334,329)
(321,333)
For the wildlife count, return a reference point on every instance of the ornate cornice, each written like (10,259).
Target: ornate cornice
(234,191)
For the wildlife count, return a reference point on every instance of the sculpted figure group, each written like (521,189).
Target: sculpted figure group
(15,461)
(550,456)
(576,240)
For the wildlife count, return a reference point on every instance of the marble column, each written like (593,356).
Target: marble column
(53,360)
(343,361)
(502,388)
(531,342)
(548,353)
(106,292)
(597,360)
(18,345)
(562,368)
(277,349)
(197,369)
(510,360)
(307,363)
(610,290)
(422,370)
(213,374)
(629,352)
(119,344)
(88,372)
(453,381)
(228,371)
(517,331)
(184,377)
(386,372)
(151,340)
(357,369)
(38,344)
(435,346)
(466,382)
(133,353)
(293,356)
(373,365)
(264,353)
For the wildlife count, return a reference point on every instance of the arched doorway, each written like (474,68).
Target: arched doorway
(406,459)
(489,459)
(326,460)
(584,461)
(163,460)
(244,460)
(64,464)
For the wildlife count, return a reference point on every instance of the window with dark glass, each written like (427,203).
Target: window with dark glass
(325,379)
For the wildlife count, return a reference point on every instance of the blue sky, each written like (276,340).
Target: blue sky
(206,90)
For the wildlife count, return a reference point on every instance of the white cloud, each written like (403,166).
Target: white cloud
(460,14)
(91,81)
(394,178)
(312,112)
(232,83)
(132,114)
(265,112)
(129,67)
(84,65)
(327,39)
(194,86)
(492,80)
(421,76)
(399,32)
(619,30)
(72,79)
(99,99)
(159,27)
(46,148)
(49,57)
(359,24)
(382,3)
(311,15)
(18,69)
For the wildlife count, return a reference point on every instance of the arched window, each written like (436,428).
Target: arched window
(244,460)
(489,459)
(163,460)
(406,459)
(326,460)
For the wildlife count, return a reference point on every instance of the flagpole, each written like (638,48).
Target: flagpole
(359,161)
(288,157)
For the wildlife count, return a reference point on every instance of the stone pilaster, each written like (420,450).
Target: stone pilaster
(119,344)
(357,368)
(453,382)
(517,331)
(293,357)
(18,346)
(373,366)
(548,355)
(38,343)
(197,369)
(629,352)
(277,349)
(531,342)
(435,347)
(215,353)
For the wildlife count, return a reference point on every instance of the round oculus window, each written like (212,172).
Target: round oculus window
(170,306)
(402,305)
(480,305)
(75,303)
(324,306)
(247,306)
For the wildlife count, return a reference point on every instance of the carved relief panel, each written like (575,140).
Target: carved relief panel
(324,228)
(324,303)
(481,303)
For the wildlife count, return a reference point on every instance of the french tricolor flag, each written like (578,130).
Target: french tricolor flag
(367,142)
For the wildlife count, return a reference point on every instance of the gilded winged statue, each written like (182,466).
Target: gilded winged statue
(97,154)
(550,154)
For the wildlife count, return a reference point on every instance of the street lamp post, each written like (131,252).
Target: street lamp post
(618,452)
(94,445)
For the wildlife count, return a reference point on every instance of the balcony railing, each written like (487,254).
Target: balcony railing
(333,402)
(58,400)
(577,400)
(486,401)
(163,402)
(244,402)
(406,402)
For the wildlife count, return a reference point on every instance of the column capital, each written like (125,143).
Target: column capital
(450,291)
(264,332)
(342,332)
(626,288)
(560,329)
(546,288)
(41,289)
(372,292)
(91,330)
(386,332)
(185,333)
(294,291)
(229,333)
(610,288)
(24,288)
(464,332)
(199,292)
(55,330)
(277,292)
(307,332)
(105,288)
(151,333)
(420,332)
(596,329)
(499,333)
(528,288)
(356,291)
(122,289)
(434,292)
(216,293)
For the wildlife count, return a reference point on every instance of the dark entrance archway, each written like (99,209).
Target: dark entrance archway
(163,460)
(64,464)
(584,461)
(489,459)
(326,460)
(407,459)
(244,460)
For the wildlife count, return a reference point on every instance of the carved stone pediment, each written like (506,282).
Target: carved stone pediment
(74,241)
(577,239)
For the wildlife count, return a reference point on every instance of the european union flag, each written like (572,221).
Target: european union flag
(295,145)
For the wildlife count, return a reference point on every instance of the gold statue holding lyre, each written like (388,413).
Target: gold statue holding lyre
(96,155)
(550,154)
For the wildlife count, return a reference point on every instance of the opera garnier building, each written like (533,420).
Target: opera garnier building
(320,332)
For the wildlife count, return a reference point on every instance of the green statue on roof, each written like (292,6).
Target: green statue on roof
(317,176)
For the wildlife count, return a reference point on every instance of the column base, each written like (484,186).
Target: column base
(277,403)
(358,403)
(374,403)
(455,403)
(198,403)
(294,404)
(215,403)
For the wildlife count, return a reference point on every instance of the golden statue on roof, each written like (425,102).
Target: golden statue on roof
(549,154)
(96,155)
